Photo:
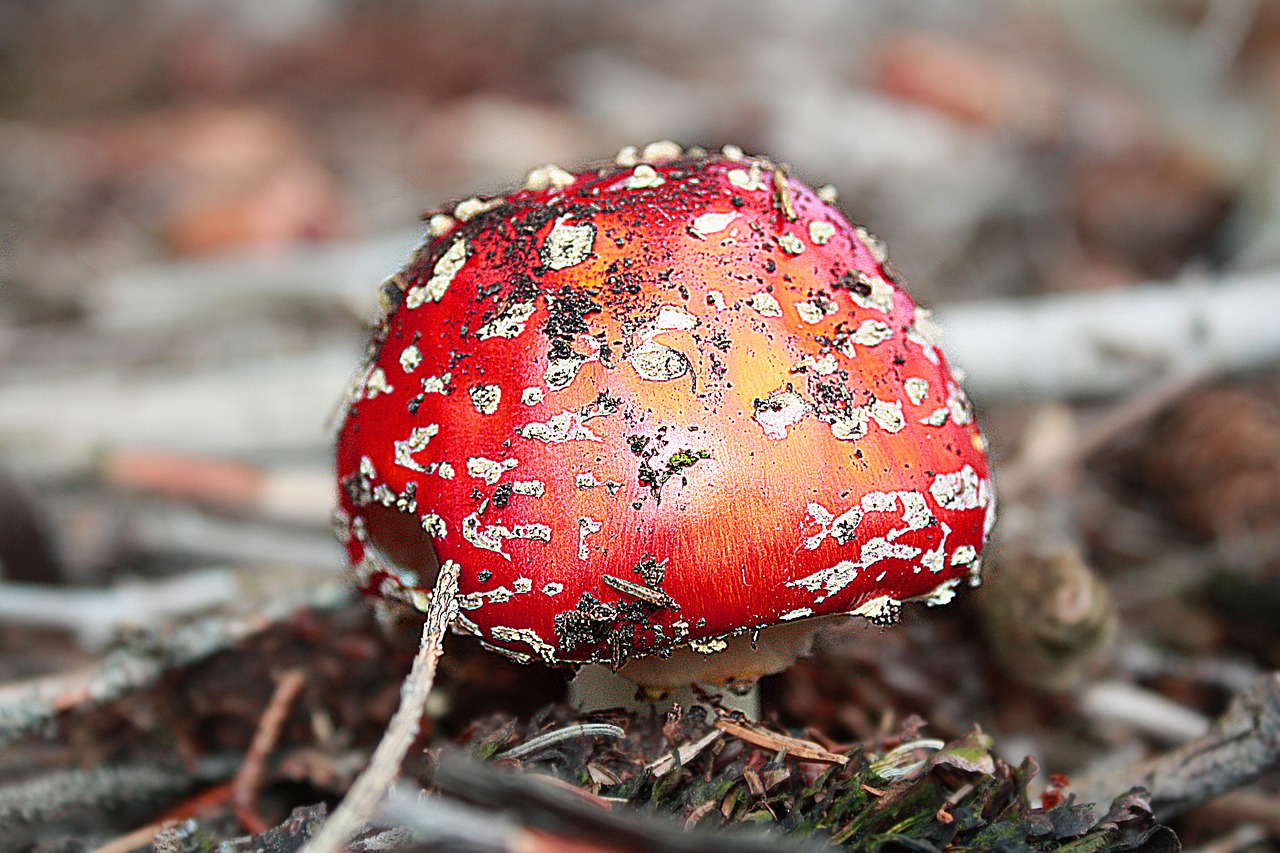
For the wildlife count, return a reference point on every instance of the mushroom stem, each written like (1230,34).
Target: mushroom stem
(730,673)
(597,687)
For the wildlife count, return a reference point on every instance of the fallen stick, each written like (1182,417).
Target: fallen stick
(683,754)
(96,615)
(1072,345)
(548,739)
(293,495)
(25,706)
(135,840)
(1104,343)
(248,779)
(63,802)
(170,528)
(1243,807)
(1142,710)
(361,803)
(795,747)
(478,799)
(342,273)
(259,404)
(1240,746)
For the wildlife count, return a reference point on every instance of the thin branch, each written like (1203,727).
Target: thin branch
(1142,710)
(1241,745)
(244,788)
(74,800)
(1083,344)
(551,738)
(361,802)
(27,705)
(276,493)
(95,615)
(528,801)
(1078,344)
(683,754)
(795,747)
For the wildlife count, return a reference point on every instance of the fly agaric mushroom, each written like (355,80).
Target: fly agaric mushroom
(661,414)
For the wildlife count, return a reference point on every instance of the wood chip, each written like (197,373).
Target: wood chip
(795,747)
(754,785)
(683,754)
(782,194)
(656,597)
(699,813)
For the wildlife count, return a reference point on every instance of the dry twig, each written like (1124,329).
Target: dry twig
(244,788)
(361,802)
(297,496)
(795,747)
(27,705)
(1243,744)
(1105,343)
(547,810)
(683,754)
(551,738)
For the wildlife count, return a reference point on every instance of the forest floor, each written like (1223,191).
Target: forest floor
(197,203)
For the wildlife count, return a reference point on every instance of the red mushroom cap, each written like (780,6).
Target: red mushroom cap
(653,405)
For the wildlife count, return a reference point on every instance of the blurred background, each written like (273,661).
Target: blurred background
(199,198)
(185,183)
